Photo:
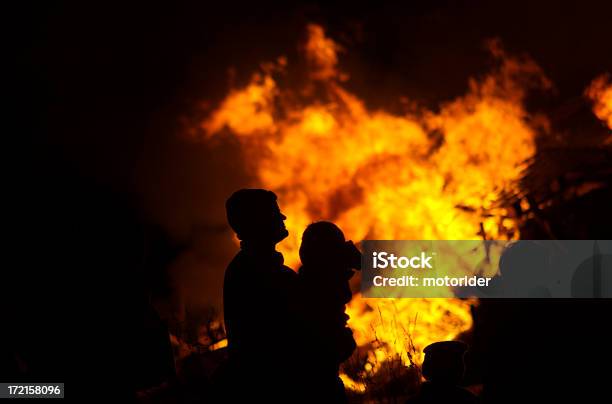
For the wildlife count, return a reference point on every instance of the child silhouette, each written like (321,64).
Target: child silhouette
(328,261)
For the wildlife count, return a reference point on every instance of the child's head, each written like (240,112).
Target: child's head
(322,243)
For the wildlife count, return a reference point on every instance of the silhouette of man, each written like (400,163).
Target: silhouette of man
(260,299)
(443,368)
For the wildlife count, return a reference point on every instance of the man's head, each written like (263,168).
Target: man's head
(255,216)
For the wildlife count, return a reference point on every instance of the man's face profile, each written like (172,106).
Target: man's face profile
(255,216)
(268,223)
(279,231)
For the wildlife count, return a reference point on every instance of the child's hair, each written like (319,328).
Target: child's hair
(321,242)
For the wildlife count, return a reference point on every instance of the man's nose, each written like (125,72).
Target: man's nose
(283,217)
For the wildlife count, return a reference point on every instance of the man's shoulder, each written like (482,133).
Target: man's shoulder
(242,266)
(236,267)
(288,273)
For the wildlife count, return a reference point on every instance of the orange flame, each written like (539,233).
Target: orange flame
(600,92)
(423,175)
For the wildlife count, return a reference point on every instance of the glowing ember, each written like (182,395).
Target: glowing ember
(600,91)
(424,175)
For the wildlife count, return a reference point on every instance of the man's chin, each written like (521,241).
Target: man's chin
(283,234)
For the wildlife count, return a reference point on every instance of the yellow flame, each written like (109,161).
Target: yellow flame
(423,175)
(352,384)
(218,345)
